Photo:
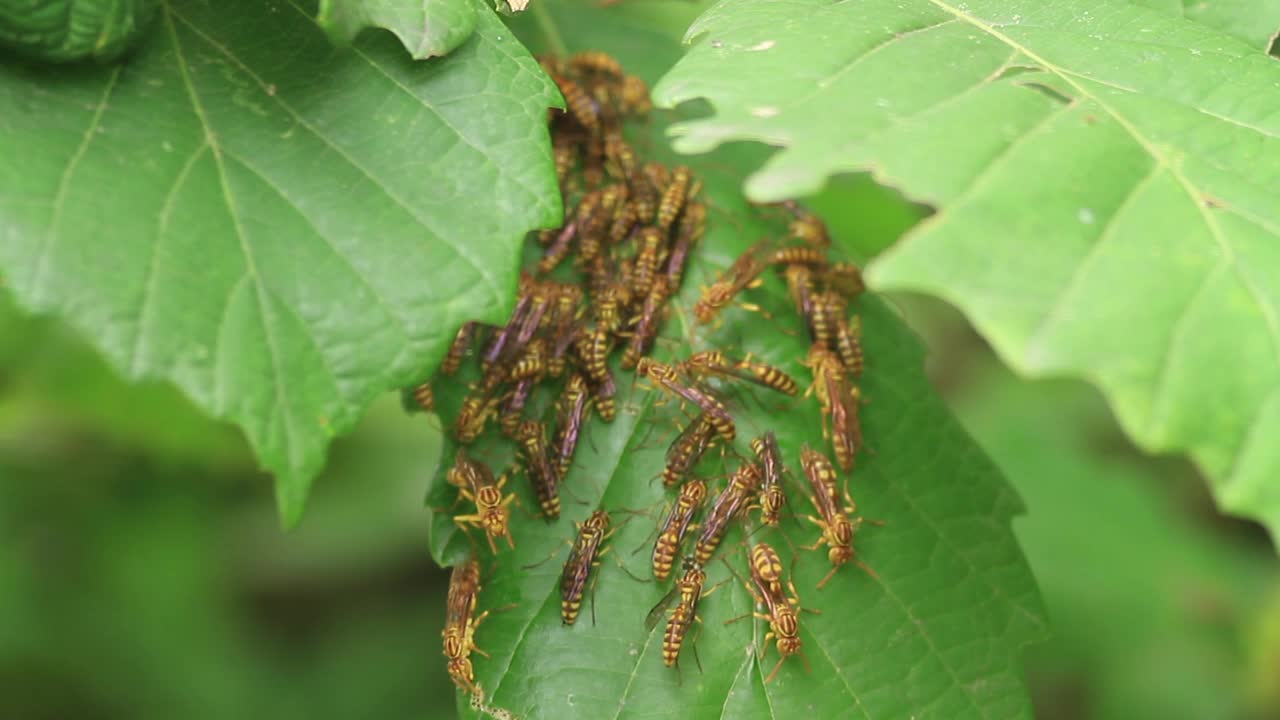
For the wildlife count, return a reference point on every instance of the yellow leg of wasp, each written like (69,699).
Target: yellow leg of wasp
(822,539)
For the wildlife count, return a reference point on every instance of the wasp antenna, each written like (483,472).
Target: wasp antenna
(544,560)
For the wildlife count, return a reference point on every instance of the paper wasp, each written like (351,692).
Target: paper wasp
(688,589)
(475,484)
(539,466)
(671,535)
(685,451)
(668,379)
(729,504)
(837,529)
(771,498)
(766,587)
(461,623)
(714,362)
(839,400)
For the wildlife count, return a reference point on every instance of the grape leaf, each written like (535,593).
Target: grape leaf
(283,230)
(938,634)
(1104,175)
(65,30)
(425,27)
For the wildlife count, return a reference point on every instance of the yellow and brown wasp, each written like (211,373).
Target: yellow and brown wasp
(688,590)
(742,274)
(766,587)
(461,623)
(666,377)
(585,552)
(671,535)
(543,472)
(685,451)
(771,498)
(571,412)
(475,484)
(839,400)
(833,518)
(714,362)
(728,505)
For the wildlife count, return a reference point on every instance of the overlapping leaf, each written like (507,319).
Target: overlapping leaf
(1105,176)
(425,27)
(1255,21)
(937,634)
(67,30)
(282,229)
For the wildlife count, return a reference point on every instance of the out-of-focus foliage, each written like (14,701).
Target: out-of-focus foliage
(52,384)
(143,572)
(1159,606)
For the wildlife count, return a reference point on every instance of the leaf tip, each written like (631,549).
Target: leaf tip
(291,501)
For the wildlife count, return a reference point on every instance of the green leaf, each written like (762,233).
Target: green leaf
(64,30)
(425,27)
(1255,21)
(283,230)
(1104,175)
(938,634)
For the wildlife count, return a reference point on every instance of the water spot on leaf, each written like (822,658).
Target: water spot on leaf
(764,111)
(1085,215)
(762,45)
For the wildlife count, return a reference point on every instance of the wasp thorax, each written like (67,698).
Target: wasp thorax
(453,646)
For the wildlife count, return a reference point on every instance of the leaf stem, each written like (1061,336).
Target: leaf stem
(548,27)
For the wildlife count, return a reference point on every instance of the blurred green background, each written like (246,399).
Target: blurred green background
(143,572)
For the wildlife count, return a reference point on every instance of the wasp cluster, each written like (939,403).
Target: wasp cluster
(598,287)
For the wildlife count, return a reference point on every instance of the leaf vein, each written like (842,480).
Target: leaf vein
(149,281)
(360,276)
(1038,337)
(281,401)
(459,248)
(64,182)
(858,59)
(1192,191)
